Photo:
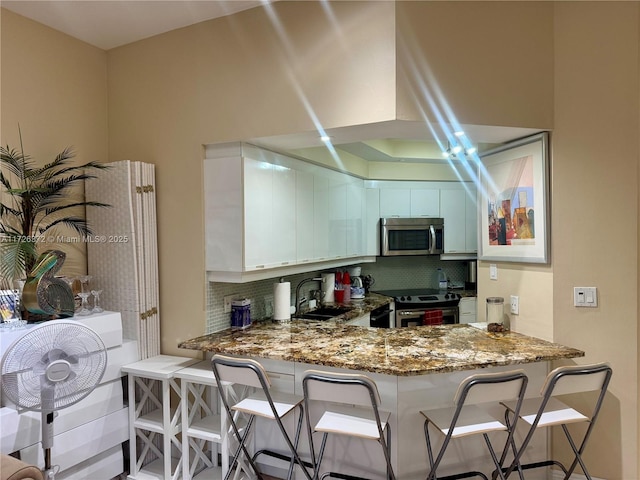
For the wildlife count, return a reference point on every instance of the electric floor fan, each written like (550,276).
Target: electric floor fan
(51,367)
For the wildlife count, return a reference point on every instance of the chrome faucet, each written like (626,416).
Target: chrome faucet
(304,299)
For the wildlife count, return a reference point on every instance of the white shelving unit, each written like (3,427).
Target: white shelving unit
(155,411)
(202,424)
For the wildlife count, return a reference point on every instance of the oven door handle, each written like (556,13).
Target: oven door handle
(411,313)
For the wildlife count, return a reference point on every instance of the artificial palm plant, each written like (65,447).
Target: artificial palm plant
(35,201)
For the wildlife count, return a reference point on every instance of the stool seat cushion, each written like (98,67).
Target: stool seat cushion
(555,412)
(356,422)
(472,420)
(257,404)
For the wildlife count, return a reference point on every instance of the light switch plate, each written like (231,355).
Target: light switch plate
(585,297)
(493,272)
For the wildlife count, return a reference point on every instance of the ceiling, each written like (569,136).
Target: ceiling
(108,24)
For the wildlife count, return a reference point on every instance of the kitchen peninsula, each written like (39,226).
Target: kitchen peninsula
(395,351)
(415,368)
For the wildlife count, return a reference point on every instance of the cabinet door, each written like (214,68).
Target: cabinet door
(269,215)
(453,212)
(458,208)
(395,202)
(258,222)
(283,229)
(472,222)
(354,220)
(337,218)
(372,222)
(425,202)
(305,217)
(320,218)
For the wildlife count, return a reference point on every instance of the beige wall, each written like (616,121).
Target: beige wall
(55,87)
(239,80)
(483,63)
(595,189)
(572,67)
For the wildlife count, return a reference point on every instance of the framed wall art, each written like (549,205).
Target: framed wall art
(513,201)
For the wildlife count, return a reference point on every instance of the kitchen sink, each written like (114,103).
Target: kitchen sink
(323,313)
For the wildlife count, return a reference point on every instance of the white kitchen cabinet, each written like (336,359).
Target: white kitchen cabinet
(425,202)
(372,222)
(320,218)
(346,217)
(305,217)
(249,210)
(269,194)
(395,202)
(471,213)
(337,218)
(269,215)
(457,207)
(355,219)
(409,199)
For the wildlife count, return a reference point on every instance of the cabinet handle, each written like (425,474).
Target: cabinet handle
(284,263)
(259,266)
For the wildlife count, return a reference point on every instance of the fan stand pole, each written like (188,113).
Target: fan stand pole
(47,392)
(47,441)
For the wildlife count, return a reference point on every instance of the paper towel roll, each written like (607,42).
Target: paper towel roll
(282,301)
(328,286)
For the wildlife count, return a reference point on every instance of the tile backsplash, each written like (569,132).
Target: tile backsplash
(388,272)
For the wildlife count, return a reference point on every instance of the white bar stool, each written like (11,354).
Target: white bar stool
(362,421)
(250,373)
(152,414)
(467,417)
(202,424)
(547,411)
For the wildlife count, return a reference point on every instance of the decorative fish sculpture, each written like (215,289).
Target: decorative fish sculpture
(43,293)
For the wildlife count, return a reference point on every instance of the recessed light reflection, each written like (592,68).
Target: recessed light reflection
(325,138)
(459,133)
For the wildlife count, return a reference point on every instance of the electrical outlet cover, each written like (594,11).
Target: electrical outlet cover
(515,305)
(227,302)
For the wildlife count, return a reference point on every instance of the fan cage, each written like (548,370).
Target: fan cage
(25,363)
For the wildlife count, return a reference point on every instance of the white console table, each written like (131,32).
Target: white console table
(88,436)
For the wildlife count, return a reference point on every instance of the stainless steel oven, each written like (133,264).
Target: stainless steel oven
(413,305)
(412,317)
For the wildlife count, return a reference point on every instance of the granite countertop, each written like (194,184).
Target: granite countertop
(391,351)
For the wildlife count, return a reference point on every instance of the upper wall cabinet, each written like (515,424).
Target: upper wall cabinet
(415,199)
(458,208)
(455,202)
(268,215)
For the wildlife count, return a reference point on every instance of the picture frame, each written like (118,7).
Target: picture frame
(513,201)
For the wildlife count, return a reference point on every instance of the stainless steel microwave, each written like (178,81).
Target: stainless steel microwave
(411,236)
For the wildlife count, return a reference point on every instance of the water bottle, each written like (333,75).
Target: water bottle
(442,279)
